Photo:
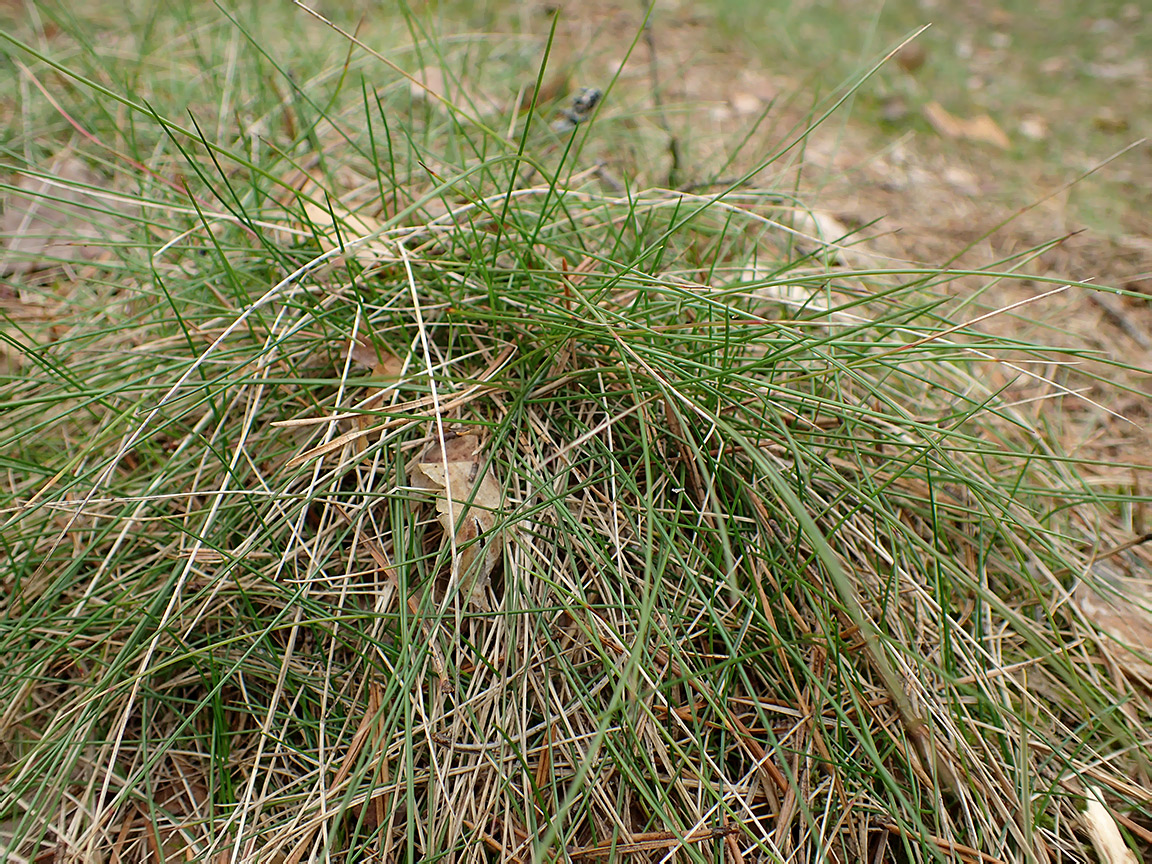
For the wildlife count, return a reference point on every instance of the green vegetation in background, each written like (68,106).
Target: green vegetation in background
(1080,68)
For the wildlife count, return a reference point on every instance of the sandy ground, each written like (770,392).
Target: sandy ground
(924,198)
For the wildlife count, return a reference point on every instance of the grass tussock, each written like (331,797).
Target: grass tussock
(784,562)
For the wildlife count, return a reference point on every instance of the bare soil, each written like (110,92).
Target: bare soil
(923,198)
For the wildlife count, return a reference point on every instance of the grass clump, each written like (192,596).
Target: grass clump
(781,575)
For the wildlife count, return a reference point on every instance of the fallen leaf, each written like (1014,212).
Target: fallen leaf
(337,227)
(911,57)
(1107,120)
(553,88)
(980,128)
(364,352)
(453,94)
(1121,609)
(49,220)
(387,370)
(452,468)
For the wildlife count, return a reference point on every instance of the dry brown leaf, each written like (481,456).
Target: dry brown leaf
(1123,613)
(336,226)
(345,228)
(363,352)
(433,84)
(911,57)
(555,86)
(839,243)
(979,128)
(1108,120)
(452,468)
(383,363)
(386,368)
(48,221)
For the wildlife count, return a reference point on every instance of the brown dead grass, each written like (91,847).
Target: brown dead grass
(512,719)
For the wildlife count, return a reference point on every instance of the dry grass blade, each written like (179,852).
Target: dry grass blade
(444,504)
(1101,827)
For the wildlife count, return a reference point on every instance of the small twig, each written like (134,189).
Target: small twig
(1123,547)
(965,852)
(1111,552)
(652,841)
(700,185)
(609,180)
(657,100)
(1115,313)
